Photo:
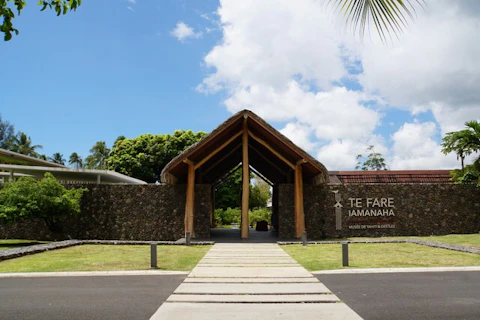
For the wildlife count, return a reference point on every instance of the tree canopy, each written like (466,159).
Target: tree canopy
(23,144)
(145,156)
(374,161)
(98,156)
(8,8)
(464,143)
(7,132)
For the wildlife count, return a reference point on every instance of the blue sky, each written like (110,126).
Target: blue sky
(124,67)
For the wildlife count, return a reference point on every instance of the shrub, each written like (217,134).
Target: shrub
(46,199)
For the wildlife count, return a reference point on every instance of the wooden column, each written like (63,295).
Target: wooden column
(189,203)
(245,181)
(212,207)
(299,213)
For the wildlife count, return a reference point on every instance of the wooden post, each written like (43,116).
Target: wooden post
(299,213)
(212,207)
(245,181)
(189,203)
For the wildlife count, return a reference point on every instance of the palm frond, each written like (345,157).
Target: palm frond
(388,16)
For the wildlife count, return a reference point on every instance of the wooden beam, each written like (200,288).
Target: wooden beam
(266,145)
(299,211)
(190,201)
(222,158)
(214,152)
(261,176)
(245,182)
(266,159)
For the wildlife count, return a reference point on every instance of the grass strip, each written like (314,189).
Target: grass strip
(107,258)
(385,255)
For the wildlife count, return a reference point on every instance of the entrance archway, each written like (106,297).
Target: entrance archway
(247,139)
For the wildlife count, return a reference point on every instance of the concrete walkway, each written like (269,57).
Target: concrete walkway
(251,281)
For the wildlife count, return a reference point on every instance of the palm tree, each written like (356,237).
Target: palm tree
(76,161)
(57,157)
(463,142)
(98,157)
(22,143)
(386,15)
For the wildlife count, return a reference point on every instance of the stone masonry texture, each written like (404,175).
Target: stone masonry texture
(156,212)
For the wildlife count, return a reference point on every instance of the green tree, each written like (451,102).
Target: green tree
(7,132)
(387,15)
(374,161)
(75,160)
(98,156)
(228,194)
(8,8)
(464,143)
(46,199)
(145,156)
(57,157)
(259,194)
(22,143)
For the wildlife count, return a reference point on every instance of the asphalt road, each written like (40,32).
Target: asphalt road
(98,297)
(402,296)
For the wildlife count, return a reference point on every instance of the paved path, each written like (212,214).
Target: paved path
(251,281)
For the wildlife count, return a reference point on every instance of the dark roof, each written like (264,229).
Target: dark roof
(391,176)
(230,155)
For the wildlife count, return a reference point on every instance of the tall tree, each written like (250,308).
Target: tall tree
(7,132)
(387,15)
(7,8)
(228,194)
(57,157)
(22,143)
(374,161)
(75,160)
(98,156)
(464,142)
(145,156)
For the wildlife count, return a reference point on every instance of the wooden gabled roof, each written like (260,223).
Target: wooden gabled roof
(270,153)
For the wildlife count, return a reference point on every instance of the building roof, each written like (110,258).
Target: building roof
(391,176)
(10,157)
(70,175)
(270,153)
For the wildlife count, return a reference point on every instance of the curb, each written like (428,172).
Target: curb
(396,270)
(92,274)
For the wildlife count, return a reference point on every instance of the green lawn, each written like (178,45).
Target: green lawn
(385,255)
(15,243)
(470,240)
(107,257)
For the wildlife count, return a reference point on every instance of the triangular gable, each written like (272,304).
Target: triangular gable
(270,153)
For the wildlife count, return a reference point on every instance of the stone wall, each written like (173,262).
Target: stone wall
(156,212)
(413,209)
(125,212)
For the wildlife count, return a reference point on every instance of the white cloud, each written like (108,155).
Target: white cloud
(130,8)
(132,1)
(415,148)
(285,61)
(299,134)
(183,31)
